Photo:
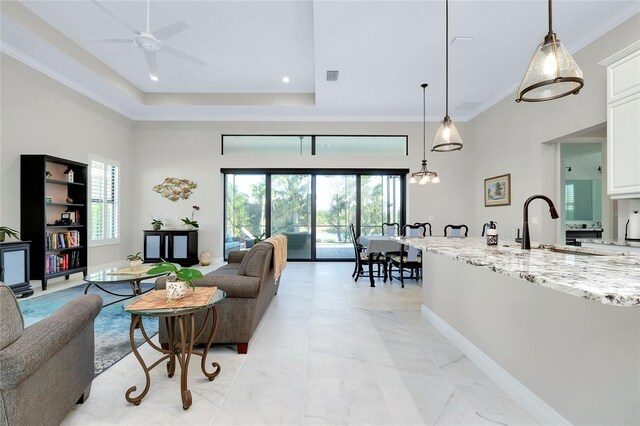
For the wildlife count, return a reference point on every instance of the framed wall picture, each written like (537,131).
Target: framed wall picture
(497,191)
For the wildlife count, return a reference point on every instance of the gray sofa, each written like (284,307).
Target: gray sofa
(250,285)
(46,368)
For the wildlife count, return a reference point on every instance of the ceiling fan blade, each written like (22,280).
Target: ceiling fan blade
(111,40)
(115,17)
(151,62)
(182,55)
(170,30)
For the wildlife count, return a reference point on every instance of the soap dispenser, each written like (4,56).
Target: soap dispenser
(492,234)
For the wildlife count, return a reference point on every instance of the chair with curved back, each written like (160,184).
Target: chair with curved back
(362,258)
(456,231)
(427,228)
(391,229)
(409,257)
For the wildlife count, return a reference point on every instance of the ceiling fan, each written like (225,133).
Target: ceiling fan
(150,42)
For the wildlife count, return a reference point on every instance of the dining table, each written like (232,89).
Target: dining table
(375,244)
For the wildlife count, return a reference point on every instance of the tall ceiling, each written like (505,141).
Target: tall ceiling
(383,51)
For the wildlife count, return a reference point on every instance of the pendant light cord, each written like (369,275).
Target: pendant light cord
(148,16)
(550,16)
(424,122)
(447,58)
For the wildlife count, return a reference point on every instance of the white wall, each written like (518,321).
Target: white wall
(192,150)
(41,116)
(510,138)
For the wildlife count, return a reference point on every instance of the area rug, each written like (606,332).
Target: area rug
(111,325)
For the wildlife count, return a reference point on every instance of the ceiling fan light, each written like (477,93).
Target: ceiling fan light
(154,77)
(552,73)
(447,137)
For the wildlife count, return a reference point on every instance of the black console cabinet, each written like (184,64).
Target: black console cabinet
(14,267)
(174,246)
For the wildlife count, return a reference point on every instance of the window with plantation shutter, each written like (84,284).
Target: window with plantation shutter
(105,200)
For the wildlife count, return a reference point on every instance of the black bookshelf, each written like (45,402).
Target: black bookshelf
(57,250)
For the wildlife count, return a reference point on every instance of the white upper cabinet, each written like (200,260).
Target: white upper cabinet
(623,122)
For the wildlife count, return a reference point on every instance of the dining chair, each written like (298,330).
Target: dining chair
(362,258)
(409,256)
(456,231)
(391,229)
(427,228)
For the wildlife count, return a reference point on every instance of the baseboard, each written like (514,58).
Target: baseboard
(532,403)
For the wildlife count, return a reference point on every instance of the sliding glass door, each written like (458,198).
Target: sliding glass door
(244,210)
(381,202)
(313,208)
(291,212)
(336,206)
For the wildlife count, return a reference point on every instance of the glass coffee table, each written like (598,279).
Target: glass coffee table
(181,341)
(106,277)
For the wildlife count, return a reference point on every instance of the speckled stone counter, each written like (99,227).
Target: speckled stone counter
(609,242)
(611,279)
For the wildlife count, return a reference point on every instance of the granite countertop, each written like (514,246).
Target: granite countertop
(609,242)
(611,279)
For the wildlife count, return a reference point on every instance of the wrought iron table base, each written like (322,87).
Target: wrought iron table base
(180,351)
(136,290)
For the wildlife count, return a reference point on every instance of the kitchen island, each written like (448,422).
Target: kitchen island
(557,327)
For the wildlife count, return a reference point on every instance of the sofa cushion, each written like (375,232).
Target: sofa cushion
(229,269)
(233,285)
(11,322)
(253,263)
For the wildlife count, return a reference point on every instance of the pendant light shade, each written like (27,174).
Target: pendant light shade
(447,137)
(424,176)
(552,72)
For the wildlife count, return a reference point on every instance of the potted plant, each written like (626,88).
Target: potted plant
(190,223)
(178,283)
(6,231)
(135,261)
(156,223)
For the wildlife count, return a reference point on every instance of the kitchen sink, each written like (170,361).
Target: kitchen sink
(577,251)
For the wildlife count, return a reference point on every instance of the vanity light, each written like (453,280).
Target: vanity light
(447,137)
(424,176)
(552,72)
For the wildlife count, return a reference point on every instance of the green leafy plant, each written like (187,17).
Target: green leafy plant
(6,231)
(192,222)
(262,237)
(156,223)
(133,257)
(184,274)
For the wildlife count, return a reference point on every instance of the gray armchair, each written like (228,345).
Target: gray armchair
(46,368)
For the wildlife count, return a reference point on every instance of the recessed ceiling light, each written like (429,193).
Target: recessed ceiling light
(285,79)
(154,76)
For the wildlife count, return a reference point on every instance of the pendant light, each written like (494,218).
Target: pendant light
(424,176)
(447,137)
(552,72)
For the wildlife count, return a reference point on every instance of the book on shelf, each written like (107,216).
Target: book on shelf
(61,262)
(61,240)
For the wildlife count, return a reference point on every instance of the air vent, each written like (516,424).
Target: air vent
(332,75)
(462,40)
(467,106)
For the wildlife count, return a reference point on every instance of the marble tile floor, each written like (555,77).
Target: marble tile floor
(328,351)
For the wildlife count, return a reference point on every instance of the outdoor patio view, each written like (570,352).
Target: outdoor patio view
(285,202)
